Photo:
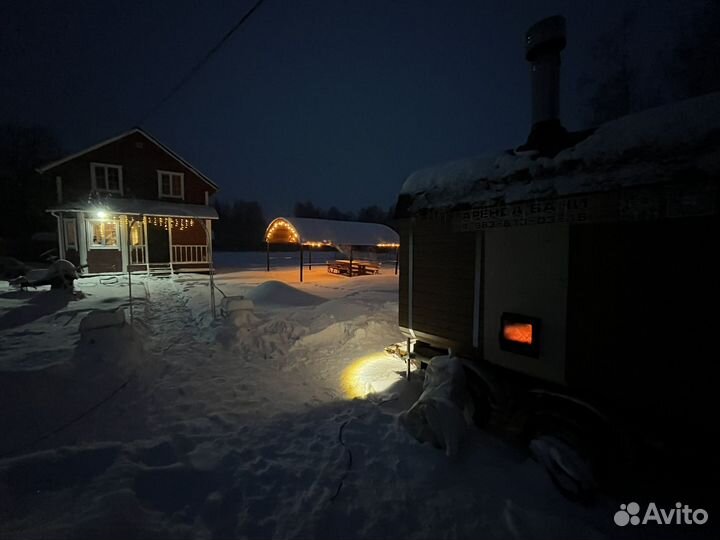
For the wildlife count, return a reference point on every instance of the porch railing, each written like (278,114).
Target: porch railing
(189,253)
(137,254)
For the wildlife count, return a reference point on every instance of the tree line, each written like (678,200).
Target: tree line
(25,194)
(622,79)
(368,214)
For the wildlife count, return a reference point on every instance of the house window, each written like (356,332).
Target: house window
(106,178)
(171,184)
(70,234)
(103,234)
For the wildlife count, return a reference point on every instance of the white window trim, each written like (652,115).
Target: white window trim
(89,224)
(73,223)
(182,184)
(94,164)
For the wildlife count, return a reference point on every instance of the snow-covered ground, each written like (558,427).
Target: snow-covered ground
(277,419)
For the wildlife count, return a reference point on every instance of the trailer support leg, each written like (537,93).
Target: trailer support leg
(409,352)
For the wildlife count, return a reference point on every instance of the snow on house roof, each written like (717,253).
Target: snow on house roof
(648,147)
(139,207)
(142,132)
(335,232)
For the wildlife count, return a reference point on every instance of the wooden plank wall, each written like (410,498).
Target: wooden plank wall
(443,279)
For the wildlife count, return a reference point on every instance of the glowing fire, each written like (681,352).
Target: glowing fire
(518,332)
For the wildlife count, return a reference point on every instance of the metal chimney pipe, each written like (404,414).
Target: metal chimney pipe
(543,43)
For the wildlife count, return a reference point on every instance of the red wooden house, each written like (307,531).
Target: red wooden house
(130,204)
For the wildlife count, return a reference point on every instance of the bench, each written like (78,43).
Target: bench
(359,268)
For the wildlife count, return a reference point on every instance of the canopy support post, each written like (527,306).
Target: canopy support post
(130,296)
(211,267)
(310,257)
(351,259)
(267,256)
(301,262)
(397,259)
(146,247)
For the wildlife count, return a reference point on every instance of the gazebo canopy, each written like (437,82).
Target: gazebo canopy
(329,232)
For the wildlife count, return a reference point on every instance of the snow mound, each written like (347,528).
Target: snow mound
(236,303)
(437,416)
(278,294)
(102,319)
(570,472)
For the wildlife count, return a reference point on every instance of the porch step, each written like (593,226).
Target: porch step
(159,268)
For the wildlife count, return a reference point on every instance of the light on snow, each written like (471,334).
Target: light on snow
(372,374)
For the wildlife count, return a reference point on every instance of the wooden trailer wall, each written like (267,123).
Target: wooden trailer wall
(643,313)
(623,305)
(526,272)
(442,277)
(462,283)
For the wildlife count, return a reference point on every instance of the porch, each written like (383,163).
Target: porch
(122,236)
(166,244)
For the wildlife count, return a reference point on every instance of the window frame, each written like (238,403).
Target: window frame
(91,244)
(94,165)
(181,196)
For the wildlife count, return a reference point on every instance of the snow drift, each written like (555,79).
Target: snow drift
(437,416)
(279,294)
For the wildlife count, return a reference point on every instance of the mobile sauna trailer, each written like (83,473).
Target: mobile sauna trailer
(580,274)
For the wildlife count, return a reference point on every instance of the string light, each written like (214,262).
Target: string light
(293,236)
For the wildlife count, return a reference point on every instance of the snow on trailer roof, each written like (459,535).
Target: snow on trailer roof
(140,207)
(329,232)
(648,147)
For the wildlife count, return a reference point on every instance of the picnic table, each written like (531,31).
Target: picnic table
(359,268)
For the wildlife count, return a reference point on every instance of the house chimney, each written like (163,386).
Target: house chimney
(543,43)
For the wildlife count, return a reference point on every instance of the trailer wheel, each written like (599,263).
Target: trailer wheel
(585,435)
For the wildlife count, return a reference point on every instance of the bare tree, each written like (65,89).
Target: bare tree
(23,196)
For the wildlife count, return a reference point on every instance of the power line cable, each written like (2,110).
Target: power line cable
(62,427)
(197,67)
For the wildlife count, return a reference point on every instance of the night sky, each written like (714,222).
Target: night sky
(324,100)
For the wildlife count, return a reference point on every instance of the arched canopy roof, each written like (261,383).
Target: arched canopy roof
(329,232)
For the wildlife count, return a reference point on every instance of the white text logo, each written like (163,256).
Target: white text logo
(629,514)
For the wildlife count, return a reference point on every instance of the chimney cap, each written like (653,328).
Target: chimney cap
(547,35)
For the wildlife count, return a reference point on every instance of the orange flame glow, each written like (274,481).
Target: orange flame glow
(518,332)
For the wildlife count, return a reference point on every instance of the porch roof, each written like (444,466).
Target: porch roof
(139,207)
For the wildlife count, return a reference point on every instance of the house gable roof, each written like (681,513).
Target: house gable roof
(149,137)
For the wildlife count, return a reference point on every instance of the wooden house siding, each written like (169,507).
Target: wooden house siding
(104,260)
(193,235)
(140,159)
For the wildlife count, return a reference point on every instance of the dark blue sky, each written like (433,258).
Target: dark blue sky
(331,101)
